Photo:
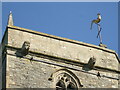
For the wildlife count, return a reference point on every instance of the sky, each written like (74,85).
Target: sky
(66,19)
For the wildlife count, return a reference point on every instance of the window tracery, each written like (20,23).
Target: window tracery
(65,80)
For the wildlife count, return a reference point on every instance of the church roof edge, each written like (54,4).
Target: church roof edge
(64,39)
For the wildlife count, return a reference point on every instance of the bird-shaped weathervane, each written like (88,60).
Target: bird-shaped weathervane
(96,21)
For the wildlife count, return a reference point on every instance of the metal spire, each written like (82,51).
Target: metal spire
(10,19)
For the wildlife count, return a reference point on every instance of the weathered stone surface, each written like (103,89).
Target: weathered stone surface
(10,19)
(69,50)
(49,54)
(23,73)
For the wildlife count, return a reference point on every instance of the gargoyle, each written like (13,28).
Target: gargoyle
(90,64)
(24,50)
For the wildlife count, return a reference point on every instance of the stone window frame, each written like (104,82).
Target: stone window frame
(61,76)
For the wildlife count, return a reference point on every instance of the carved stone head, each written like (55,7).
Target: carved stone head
(25,48)
(91,62)
(26,45)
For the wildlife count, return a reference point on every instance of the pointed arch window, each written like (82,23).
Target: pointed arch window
(65,80)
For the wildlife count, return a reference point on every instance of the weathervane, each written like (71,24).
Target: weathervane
(96,21)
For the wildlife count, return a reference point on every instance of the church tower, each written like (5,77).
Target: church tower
(33,59)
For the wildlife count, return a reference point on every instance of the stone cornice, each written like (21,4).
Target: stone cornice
(65,60)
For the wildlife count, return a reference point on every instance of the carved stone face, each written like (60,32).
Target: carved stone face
(26,45)
(91,62)
(24,50)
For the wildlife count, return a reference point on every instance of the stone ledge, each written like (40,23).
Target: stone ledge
(68,61)
(68,67)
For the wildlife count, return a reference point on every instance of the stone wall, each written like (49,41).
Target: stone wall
(3,60)
(48,54)
(51,46)
(23,73)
